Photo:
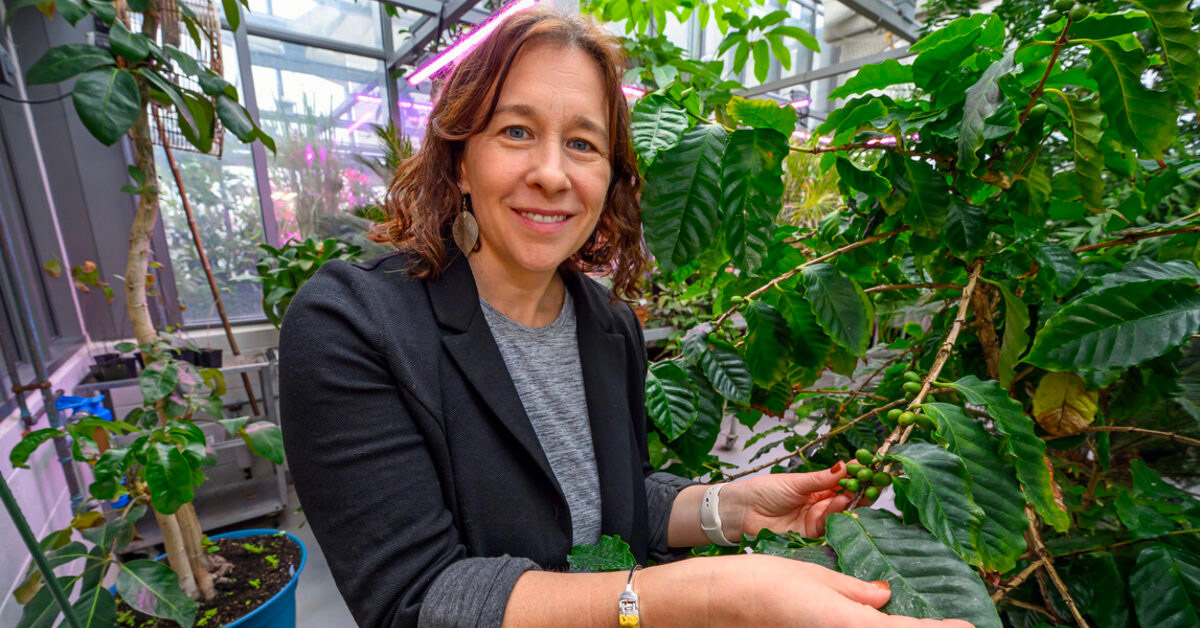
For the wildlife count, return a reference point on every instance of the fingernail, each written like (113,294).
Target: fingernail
(882,584)
(837,468)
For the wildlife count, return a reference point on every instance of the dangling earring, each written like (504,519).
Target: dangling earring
(465,230)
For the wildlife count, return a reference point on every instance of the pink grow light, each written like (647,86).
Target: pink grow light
(632,92)
(802,103)
(470,42)
(375,100)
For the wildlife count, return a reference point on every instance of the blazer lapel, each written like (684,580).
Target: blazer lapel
(602,358)
(469,341)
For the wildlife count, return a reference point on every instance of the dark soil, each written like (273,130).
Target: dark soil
(240,595)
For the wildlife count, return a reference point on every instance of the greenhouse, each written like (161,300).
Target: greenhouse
(662,313)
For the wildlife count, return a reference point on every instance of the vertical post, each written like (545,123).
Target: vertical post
(390,90)
(35,550)
(257,151)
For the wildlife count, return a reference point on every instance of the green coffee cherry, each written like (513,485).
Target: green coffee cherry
(864,457)
(1063,5)
(906,419)
(871,494)
(912,387)
(924,422)
(865,475)
(1051,17)
(912,376)
(849,484)
(894,414)
(852,468)
(736,299)
(881,479)
(1079,12)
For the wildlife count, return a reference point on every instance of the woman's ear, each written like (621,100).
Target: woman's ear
(463,186)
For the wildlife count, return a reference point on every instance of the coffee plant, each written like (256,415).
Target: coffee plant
(1009,286)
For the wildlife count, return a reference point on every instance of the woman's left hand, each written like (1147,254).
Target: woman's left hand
(784,502)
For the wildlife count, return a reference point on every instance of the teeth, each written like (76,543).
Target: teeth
(542,218)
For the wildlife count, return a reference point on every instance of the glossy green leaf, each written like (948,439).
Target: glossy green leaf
(1146,269)
(842,308)
(107,102)
(1016,338)
(187,64)
(152,588)
(233,426)
(72,10)
(96,608)
(1180,40)
(19,456)
(1166,587)
(656,125)
(874,76)
(235,118)
(983,98)
(1061,265)
(1118,327)
(810,344)
(681,200)
(158,381)
(928,203)
(721,364)
(169,477)
(42,610)
(1142,117)
(762,59)
(772,544)
(696,444)
(671,401)
(927,579)
(265,440)
(853,115)
(1141,518)
(1021,446)
(768,343)
(988,26)
(752,193)
(799,34)
(1099,589)
(762,114)
(116,532)
(62,62)
(233,13)
(1085,118)
(940,488)
(113,463)
(132,47)
(966,228)
(609,554)
(866,181)
(993,486)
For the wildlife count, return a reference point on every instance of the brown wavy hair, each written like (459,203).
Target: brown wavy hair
(423,198)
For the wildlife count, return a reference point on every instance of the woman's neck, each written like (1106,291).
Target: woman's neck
(531,299)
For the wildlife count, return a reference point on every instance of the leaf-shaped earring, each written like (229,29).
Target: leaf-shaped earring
(465,230)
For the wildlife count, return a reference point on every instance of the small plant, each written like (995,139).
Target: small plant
(252,548)
(255,583)
(272,560)
(208,615)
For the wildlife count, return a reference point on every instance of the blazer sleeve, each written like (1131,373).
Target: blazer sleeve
(359,457)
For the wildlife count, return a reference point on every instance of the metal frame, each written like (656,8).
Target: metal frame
(827,71)
(428,29)
(885,16)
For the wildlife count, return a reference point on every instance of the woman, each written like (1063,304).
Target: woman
(461,413)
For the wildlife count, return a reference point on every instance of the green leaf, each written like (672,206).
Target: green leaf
(19,456)
(768,343)
(96,608)
(114,534)
(62,62)
(810,345)
(1022,447)
(1104,26)
(853,115)
(762,114)
(104,10)
(169,477)
(233,426)
(152,588)
(929,202)
(213,85)
(842,308)
(1172,22)
(265,439)
(233,13)
(772,544)
(993,486)
(982,23)
(762,59)
(200,111)
(927,579)
(132,47)
(966,228)
(158,382)
(1143,520)
(186,63)
(107,102)
(71,10)
(866,181)
(983,98)
(175,95)
(609,554)
(1146,269)
(670,399)
(656,125)
(1143,118)
(799,34)
(682,197)
(1061,265)
(42,610)
(940,488)
(1016,338)
(721,364)
(1085,117)
(236,118)
(752,193)
(1118,327)
(1166,587)
(113,463)
(874,76)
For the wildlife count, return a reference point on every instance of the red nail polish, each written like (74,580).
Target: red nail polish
(882,584)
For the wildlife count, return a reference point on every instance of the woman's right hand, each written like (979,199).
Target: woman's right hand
(766,592)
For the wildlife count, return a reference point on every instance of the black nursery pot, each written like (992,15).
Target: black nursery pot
(107,358)
(120,368)
(209,358)
(190,356)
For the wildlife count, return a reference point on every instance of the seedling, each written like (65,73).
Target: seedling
(252,548)
(272,560)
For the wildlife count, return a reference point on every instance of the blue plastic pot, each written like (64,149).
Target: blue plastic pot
(280,610)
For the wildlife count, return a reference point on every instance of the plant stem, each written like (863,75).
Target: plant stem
(981,304)
(792,273)
(1017,581)
(1171,436)
(1135,237)
(852,393)
(912,286)
(1031,607)
(1039,548)
(896,148)
(1124,543)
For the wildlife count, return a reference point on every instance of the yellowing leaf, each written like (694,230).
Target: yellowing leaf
(1063,405)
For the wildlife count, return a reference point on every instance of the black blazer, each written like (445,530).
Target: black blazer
(409,446)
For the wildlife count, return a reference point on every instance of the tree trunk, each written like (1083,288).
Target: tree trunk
(173,542)
(189,527)
(981,304)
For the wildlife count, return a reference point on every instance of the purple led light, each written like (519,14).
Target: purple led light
(470,42)
(632,92)
(309,154)
(802,103)
(375,100)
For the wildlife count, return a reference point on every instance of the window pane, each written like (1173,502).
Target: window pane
(322,108)
(224,201)
(343,20)
(414,113)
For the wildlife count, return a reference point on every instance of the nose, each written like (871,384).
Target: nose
(548,170)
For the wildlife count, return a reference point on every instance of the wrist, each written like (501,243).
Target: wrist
(732,508)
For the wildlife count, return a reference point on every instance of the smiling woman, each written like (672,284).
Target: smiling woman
(459,414)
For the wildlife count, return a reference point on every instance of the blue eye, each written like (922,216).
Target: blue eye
(581,144)
(517,132)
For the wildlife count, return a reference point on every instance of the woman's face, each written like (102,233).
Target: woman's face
(538,174)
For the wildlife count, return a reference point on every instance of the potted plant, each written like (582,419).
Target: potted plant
(114,90)
(283,270)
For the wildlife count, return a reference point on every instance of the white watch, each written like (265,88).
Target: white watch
(710,518)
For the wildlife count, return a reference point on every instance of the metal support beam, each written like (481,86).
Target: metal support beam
(427,30)
(431,7)
(826,72)
(885,16)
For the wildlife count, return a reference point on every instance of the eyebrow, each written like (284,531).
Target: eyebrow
(528,111)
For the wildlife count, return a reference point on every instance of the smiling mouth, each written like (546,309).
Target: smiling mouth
(543,218)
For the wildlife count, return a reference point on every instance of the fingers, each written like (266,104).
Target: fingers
(816,481)
(873,594)
(814,518)
(863,616)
